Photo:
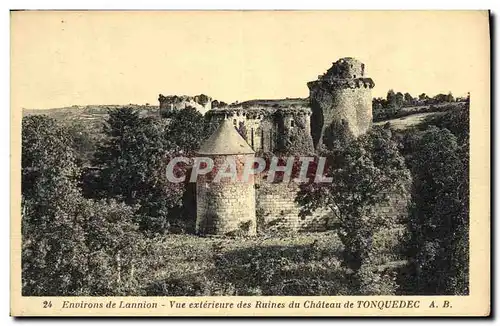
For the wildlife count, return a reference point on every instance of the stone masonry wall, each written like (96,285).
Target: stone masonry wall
(201,103)
(351,104)
(343,93)
(276,208)
(258,129)
(264,128)
(225,207)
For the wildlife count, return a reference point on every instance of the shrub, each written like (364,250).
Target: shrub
(439,219)
(364,173)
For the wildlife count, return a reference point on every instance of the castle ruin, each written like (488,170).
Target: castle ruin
(202,103)
(342,94)
(225,205)
(293,126)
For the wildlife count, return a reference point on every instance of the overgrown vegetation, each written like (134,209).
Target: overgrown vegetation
(438,156)
(98,217)
(398,105)
(365,172)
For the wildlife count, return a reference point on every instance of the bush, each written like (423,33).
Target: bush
(132,164)
(90,248)
(180,287)
(439,219)
(309,269)
(365,172)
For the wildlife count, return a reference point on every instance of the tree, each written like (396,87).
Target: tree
(119,156)
(379,104)
(399,99)
(50,246)
(442,98)
(134,158)
(217,104)
(390,96)
(71,245)
(133,162)
(364,174)
(439,219)
(49,172)
(408,99)
(84,140)
(187,129)
(86,248)
(456,121)
(113,245)
(202,99)
(394,103)
(423,97)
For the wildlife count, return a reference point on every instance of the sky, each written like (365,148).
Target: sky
(62,58)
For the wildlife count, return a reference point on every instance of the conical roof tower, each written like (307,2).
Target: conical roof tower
(226,205)
(225,141)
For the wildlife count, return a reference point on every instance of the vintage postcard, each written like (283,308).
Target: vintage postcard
(250,163)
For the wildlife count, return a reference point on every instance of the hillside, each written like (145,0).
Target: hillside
(408,121)
(93,114)
(410,117)
(85,123)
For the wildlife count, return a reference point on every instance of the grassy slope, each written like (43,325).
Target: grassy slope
(305,263)
(421,115)
(88,112)
(408,121)
(298,264)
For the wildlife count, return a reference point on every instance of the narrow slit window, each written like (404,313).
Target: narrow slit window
(262,139)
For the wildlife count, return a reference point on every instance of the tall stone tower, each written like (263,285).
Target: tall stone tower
(343,93)
(225,205)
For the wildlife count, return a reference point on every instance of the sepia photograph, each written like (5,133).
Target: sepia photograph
(300,160)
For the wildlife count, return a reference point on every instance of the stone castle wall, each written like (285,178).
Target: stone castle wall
(342,94)
(225,207)
(263,128)
(350,104)
(202,103)
(277,210)
(346,68)
(256,129)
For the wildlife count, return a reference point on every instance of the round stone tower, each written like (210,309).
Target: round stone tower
(225,201)
(343,93)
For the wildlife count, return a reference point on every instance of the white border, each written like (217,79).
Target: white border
(185,4)
(255,4)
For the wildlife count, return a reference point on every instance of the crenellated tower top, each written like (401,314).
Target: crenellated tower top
(345,73)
